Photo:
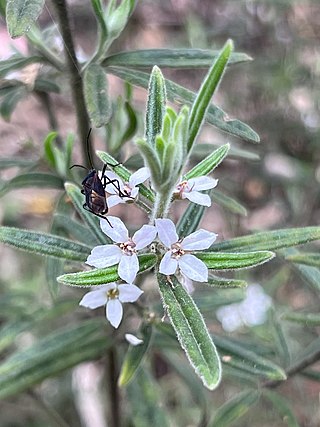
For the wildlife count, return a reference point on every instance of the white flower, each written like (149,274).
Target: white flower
(190,189)
(124,251)
(178,254)
(133,340)
(112,296)
(130,188)
(251,311)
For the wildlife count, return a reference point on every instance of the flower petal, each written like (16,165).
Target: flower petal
(114,200)
(139,176)
(144,236)
(118,232)
(168,265)
(111,188)
(133,340)
(166,231)
(94,299)
(128,267)
(129,293)
(202,183)
(195,197)
(200,239)
(187,284)
(104,256)
(193,268)
(114,312)
(134,193)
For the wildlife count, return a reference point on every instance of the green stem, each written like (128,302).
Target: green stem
(161,205)
(75,78)
(114,397)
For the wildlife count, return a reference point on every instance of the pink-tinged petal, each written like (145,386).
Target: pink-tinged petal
(196,197)
(128,267)
(134,193)
(113,188)
(118,232)
(114,312)
(200,239)
(114,200)
(202,183)
(104,256)
(166,231)
(133,340)
(168,265)
(187,284)
(144,236)
(139,176)
(129,293)
(193,268)
(94,299)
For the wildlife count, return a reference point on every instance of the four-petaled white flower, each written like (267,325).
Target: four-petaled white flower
(190,189)
(124,251)
(112,296)
(179,254)
(129,188)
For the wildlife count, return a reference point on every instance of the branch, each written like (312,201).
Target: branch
(75,77)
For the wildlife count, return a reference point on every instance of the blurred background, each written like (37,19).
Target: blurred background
(276,181)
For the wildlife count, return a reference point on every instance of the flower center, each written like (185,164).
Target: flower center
(127,189)
(182,187)
(176,250)
(113,293)
(128,248)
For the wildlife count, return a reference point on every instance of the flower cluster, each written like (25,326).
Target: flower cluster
(124,253)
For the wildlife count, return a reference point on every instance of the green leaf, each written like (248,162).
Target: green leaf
(156,105)
(191,331)
(175,58)
(10,101)
(54,268)
(151,160)
(93,222)
(281,405)
(75,229)
(221,282)
(307,258)
(179,94)
(51,355)
(205,149)
(145,399)
(96,95)
(102,27)
(16,62)
(270,240)
(208,164)
(208,88)
(189,221)
(118,18)
(125,174)
(279,337)
(135,356)
(44,244)
(230,261)
(48,148)
(99,276)
(307,319)
(228,203)
(32,179)
(235,408)
(44,85)
(21,14)
(241,358)
(6,163)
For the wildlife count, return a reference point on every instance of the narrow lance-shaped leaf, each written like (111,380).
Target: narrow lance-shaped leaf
(282,407)
(208,87)
(208,164)
(96,95)
(228,203)
(230,261)
(135,356)
(189,221)
(44,244)
(51,355)
(175,58)
(222,282)
(191,331)
(235,408)
(308,319)
(21,14)
(156,105)
(16,62)
(306,258)
(270,240)
(311,275)
(99,276)
(176,93)
(32,179)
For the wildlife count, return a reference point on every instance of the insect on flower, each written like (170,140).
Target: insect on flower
(94,188)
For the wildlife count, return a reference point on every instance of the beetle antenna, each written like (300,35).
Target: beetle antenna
(88,151)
